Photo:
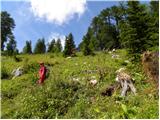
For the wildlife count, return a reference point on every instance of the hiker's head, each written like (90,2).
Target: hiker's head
(41,63)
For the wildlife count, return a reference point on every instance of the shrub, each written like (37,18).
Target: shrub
(31,67)
(51,56)
(16,59)
(4,73)
(25,60)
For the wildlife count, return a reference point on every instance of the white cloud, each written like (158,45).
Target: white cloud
(57,11)
(56,36)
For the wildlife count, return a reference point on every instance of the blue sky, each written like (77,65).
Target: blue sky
(50,20)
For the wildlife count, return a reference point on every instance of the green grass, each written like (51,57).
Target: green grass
(60,97)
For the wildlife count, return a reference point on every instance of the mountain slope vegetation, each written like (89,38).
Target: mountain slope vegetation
(61,96)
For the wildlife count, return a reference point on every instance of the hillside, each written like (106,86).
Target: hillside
(62,97)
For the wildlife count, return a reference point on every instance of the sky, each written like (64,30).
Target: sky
(50,19)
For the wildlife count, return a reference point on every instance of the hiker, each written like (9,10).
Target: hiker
(42,73)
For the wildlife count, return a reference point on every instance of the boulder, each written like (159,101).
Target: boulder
(17,72)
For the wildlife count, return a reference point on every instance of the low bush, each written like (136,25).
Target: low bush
(17,59)
(31,67)
(4,73)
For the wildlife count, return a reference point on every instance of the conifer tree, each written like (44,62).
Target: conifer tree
(11,47)
(58,46)
(51,46)
(28,48)
(40,46)
(154,25)
(7,25)
(88,46)
(135,29)
(69,49)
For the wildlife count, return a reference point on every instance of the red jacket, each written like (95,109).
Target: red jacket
(42,73)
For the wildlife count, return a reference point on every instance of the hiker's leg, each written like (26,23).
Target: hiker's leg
(124,88)
(42,79)
(38,81)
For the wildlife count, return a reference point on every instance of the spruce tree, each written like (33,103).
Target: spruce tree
(28,48)
(103,34)
(7,26)
(58,46)
(134,30)
(154,25)
(51,46)
(11,46)
(88,46)
(40,46)
(69,49)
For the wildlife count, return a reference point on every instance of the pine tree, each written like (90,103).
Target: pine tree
(40,46)
(11,47)
(103,34)
(88,46)
(7,25)
(58,46)
(28,48)
(93,43)
(16,51)
(69,49)
(135,29)
(80,46)
(51,46)
(154,25)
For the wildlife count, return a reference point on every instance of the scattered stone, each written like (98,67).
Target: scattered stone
(84,63)
(126,61)
(114,50)
(76,79)
(93,99)
(115,56)
(93,82)
(17,72)
(118,102)
(69,57)
(110,52)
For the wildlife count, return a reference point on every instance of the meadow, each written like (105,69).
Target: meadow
(67,94)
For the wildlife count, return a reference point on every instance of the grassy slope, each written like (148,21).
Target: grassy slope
(60,97)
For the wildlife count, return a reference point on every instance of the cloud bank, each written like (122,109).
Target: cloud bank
(57,11)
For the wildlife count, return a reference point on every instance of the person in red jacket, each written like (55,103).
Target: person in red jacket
(42,73)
